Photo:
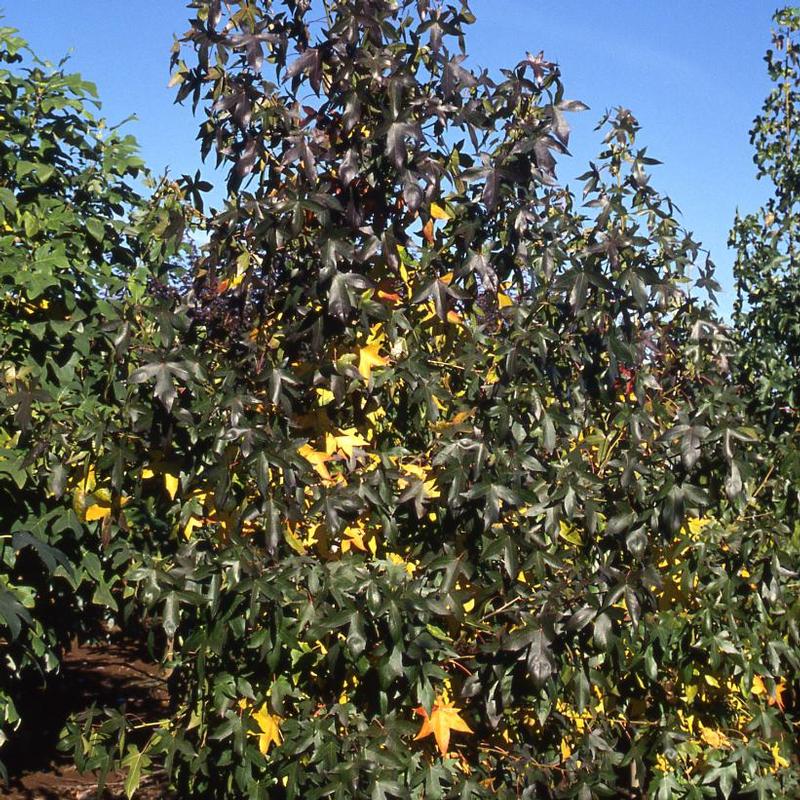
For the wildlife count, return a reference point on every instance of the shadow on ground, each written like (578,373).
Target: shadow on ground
(115,675)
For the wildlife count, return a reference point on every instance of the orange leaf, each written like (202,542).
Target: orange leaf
(776,699)
(427,231)
(389,297)
(443,719)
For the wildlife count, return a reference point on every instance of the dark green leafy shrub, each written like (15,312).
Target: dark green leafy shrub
(74,275)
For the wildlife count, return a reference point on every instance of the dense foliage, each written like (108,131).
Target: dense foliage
(433,477)
(768,288)
(766,317)
(74,269)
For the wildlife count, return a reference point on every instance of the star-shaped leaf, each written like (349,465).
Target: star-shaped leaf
(345,441)
(317,459)
(270,727)
(443,719)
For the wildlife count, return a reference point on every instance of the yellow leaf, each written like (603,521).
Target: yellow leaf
(662,764)
(776,699)
(346,441)
(171,484)
(758,688)
(711,681)
(410,567)
(374,418)
(97,511)
(566,750)
(570,533)
(457,420)
(194,522)
(415,470)
(330,444)
(324,396)
(778,761)
(437,212)
(294,542)
(687,721)
(443,719)
(504,301)
(201,497)
(431,490)
(147,473)
(370,357)
(404,276)
(689,694)
(317,460)
(89,482)
(695,525)
(353,537)
(270,727)
(714,738)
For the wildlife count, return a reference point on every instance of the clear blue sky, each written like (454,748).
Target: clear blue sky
(691,72)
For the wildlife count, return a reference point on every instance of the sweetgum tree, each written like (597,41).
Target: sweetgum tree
(452,456)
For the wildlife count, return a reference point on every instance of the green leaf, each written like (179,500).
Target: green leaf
(136,763)
(96,229)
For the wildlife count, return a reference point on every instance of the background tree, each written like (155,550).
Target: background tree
(766,313)
(767,279)
(78,247)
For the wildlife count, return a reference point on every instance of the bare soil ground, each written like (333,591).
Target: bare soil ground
(110,675)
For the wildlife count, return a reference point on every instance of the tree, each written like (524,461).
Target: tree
(78,246)
(458,473)
(766,314)
(426,480)
(766,242)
